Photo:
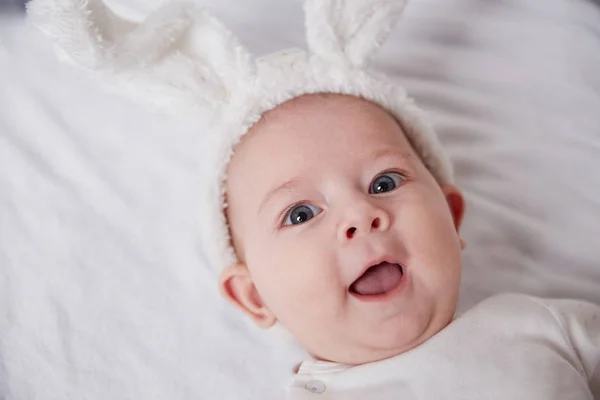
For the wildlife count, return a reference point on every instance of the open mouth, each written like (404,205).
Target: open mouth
(378,279)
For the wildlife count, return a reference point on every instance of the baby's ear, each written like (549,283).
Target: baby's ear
(456,202)
(237,286)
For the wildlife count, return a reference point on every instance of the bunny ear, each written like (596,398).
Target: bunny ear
(350,29)
(179,58)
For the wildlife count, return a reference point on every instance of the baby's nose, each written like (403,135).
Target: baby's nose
(375,224)
(365,221)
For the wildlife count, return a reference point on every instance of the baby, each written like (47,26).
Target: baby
(346,238)
(331,207)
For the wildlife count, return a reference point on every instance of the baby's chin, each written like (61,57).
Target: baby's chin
(386,343)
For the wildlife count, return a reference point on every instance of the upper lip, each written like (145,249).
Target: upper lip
(372,263)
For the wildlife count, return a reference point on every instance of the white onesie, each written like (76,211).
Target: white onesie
(507,347)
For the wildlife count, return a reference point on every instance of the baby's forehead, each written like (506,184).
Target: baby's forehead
(329,125)
(319,116)
(320,133)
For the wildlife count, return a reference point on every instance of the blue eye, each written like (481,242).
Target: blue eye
(386,183)
(301,214)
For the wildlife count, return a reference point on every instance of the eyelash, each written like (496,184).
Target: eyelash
(287,211)
(402,175)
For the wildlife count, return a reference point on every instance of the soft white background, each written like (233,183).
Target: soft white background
(103,292)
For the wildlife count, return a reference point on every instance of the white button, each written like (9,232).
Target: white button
(315,387)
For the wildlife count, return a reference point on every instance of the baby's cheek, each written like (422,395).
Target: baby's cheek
(296,275)
(430,240)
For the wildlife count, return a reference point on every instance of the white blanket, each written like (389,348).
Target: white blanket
(103,293)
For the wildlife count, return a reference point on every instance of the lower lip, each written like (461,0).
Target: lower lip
(376,298)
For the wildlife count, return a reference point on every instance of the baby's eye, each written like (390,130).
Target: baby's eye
(385,182)
(301,213)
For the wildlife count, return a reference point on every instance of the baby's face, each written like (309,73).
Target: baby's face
(343,235)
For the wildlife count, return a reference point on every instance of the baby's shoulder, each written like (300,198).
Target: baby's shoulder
(509,302)
(514,310)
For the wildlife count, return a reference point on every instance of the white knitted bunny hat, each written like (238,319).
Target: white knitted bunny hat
(184,62)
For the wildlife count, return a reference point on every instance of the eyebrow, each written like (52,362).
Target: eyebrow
(392,152)
(286,186)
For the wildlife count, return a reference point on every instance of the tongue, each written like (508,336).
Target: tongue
(378,279)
